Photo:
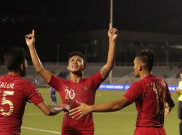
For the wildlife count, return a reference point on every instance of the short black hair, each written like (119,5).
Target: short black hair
(76,53)
(14,57)
(147,58)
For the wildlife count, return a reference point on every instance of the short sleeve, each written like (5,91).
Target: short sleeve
(55,82)
(33,94)
(96,80)
(133,92)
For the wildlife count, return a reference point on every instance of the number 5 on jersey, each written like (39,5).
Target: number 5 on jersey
(5,101)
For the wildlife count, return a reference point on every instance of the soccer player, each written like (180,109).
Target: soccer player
(15,92)
(53,95)
(76,88)
(35,82)
(179,92)
(150,94)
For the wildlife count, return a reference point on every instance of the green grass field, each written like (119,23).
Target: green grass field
(115,123)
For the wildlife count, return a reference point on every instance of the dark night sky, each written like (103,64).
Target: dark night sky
(53,18)
(141,15)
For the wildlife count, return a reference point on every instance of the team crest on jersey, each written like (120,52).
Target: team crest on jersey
(85,88)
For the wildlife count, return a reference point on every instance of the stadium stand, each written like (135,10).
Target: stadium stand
(120,74)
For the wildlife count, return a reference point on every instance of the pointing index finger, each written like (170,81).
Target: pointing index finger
(33,32)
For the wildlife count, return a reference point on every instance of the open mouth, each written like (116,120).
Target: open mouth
(75,66)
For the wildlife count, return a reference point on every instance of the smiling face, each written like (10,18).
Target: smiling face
(76,64)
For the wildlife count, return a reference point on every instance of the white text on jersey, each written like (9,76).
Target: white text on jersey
(7,85)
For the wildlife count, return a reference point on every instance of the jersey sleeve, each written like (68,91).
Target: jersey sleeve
(96,80)
(55,82)
(33,94)
(133,92)
(168,94)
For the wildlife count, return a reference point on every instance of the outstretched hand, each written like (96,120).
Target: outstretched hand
(80,111)
(112,33)
(30,39)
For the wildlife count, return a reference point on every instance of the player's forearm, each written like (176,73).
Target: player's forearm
(111,54)
(110,60)
(111,106)
(55,110)
(107,107)
(45,74)
(49,109)
(35,59)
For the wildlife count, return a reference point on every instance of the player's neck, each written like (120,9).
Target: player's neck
(143,74)
(14,73)
(75,77)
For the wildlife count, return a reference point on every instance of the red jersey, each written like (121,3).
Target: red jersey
(83,91)
(14,92)
(150,95)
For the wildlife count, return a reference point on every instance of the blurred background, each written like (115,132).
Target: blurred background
(63,26)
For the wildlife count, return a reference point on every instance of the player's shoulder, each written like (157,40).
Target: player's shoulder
(5,76)
(53,77)
(19,82)
(141,82)
(24,82)
(12,78)
(95,75)
(137,84)
(160,79)
(152,77)
(1,77)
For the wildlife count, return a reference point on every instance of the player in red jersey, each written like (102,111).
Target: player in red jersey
(77,88)
(151,96)
(15,92)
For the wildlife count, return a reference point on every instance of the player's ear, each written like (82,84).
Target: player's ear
(22,67)
(140,67)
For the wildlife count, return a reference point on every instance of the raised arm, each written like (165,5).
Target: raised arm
(30,41)
(52,110)
(84,109)
(112,34)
